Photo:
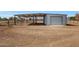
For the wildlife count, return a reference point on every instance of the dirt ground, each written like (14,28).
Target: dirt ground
(39,36)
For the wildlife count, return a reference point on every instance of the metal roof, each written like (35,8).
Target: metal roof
(37,14)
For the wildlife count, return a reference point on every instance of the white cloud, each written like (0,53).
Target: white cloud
(39,5)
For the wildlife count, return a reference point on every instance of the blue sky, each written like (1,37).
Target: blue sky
(11,13)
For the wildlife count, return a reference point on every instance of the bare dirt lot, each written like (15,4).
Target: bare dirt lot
(39,36)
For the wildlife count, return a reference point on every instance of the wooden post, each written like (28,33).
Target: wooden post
(8,22)
(14,21)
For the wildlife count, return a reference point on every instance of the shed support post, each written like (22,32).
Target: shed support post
(43,19)
(33,20)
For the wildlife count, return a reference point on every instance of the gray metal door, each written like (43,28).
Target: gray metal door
(56,20)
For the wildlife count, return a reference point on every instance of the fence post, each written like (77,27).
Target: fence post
(14,21)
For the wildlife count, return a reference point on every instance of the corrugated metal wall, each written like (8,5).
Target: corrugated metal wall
(56,19)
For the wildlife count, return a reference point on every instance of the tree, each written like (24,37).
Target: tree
(0,18)
(72,18)
(4,19)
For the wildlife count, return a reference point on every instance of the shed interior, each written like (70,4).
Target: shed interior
(35,18)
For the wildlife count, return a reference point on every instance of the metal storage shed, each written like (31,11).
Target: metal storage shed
(48,19)
(56,19)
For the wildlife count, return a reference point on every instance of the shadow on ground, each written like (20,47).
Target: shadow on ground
(36,24)
(71,25)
